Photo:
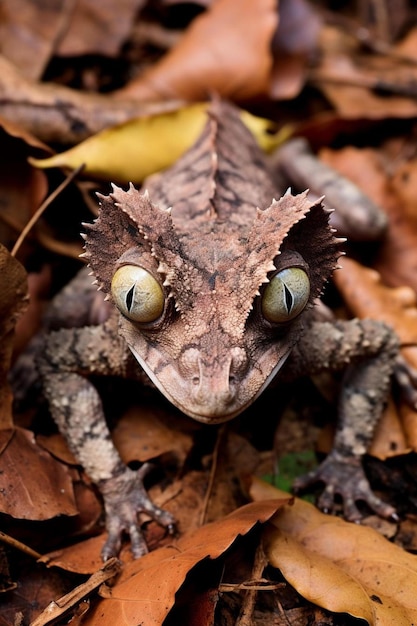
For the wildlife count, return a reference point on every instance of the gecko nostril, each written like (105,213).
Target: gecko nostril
(195,380)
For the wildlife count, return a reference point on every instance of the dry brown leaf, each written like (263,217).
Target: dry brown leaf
(97,27)
(353,81)
(184,498)
(48,110)
(83,557)
(146,591)
(145,432)
(366,296)
(22,187)
(13,288)
(397,256)
(341,566)
(29,323)
(395,194)
(233,460)
(226,50)
(32,31)
(29,30)
(32,484)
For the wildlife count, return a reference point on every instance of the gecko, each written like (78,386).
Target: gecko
(212,284)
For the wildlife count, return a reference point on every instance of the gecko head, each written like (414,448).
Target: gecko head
(210,362)
(210,312)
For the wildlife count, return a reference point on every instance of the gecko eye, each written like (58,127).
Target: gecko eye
(286,295)
(137,294)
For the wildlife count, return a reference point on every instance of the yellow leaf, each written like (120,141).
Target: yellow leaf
(340,566)
(131,151)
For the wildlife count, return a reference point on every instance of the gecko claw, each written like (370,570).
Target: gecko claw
(124,498)
(345,479)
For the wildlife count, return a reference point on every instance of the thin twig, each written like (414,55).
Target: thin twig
(213,470)
(247,608)
(43,207)
(15,543)
(57,608)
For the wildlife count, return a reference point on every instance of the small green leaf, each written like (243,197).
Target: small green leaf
(290,466)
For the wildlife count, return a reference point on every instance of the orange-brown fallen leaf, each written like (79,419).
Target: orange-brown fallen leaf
(338,565)
(145,432)
(366,296)
(33,485)
(397,257)
(226,50)
(146,591)
(389,177)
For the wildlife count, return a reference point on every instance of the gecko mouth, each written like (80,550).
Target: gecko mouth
(210,407)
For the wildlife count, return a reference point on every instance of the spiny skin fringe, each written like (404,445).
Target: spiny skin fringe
(88,225)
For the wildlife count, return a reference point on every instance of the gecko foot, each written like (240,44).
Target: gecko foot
(347,480)
(124,497)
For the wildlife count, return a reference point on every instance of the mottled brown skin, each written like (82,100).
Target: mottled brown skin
(212,351)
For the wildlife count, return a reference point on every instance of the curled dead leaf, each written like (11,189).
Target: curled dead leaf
(48,110)
(341,566)
(366,296)
(226,50)
(146,590)
(33,485)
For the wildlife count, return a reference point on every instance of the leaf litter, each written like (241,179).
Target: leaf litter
(344,84)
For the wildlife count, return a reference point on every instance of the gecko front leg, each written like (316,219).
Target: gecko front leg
(70,355)
(368,349)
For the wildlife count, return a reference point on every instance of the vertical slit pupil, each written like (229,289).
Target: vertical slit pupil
(129,297)
(289,299)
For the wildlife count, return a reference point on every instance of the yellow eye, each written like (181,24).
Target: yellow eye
(137,294)
(286,295)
